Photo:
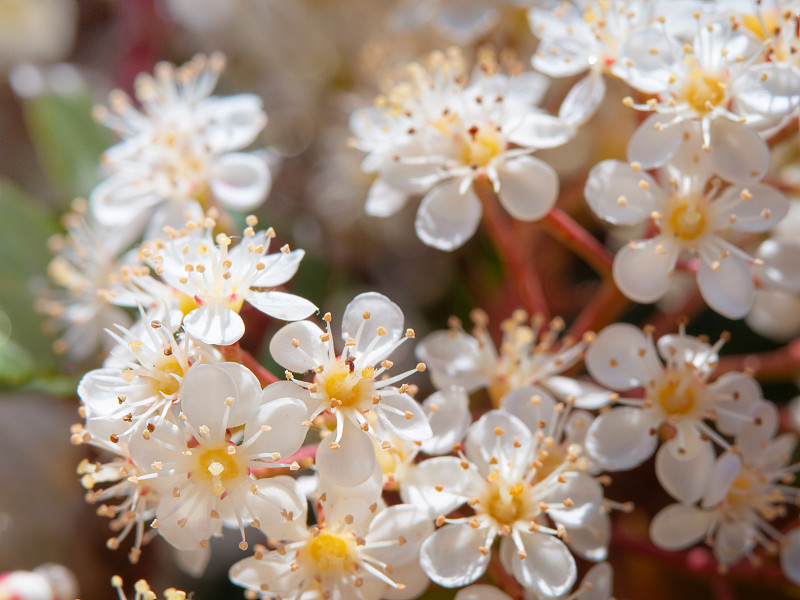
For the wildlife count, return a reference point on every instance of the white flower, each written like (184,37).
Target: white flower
(439,133)
(180,148)
(597,584)
(460,21)
(743,491)
(86,258)
(678,398)
(49,581)
(690,217)
(517,488)
(142,591)
(717,82)
(208,480)
(361,549)
(217,278)
(140,380)
(350,386)
(530,353)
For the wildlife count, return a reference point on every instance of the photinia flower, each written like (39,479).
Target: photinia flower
(678,397)
(690,217)
(179,149)
(743,491)
(438,132)
(350,385)
(530,353)
(360,549)
(216,278)
(521,491)
(201,472)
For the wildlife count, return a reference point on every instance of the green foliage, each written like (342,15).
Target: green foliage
(68,140)
(24,348)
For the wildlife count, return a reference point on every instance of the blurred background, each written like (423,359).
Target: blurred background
(312,62)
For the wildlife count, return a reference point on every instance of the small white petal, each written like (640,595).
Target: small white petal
(614,193)
(725,471)
(540,130)
(449,421)
(203,394)
(790,556)
(583,99)
(280,305)
(760,212)
(738,152)
(419,488)
(685,480)
(383,200)
(285,417)
(728,289)
(446,219)
(352,462)
(214,324)
(621,439)
(528,187)
(652,144)
(677,526)
(278,268)
(622,358)
(548,567)
(642,269)
(415,428)
(451,556)
(481,592)
(383,313)
(309,353)
(240,181)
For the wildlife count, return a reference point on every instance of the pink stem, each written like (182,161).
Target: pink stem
(235,353)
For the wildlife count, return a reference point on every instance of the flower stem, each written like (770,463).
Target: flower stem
(778,365)
(518,265)
(605,307)
(235,353)
(575,237)
(504,581)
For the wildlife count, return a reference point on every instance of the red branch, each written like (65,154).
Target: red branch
(504,581)
(235,353)
(779,365)
(570,233)
(517,264)
(604,308)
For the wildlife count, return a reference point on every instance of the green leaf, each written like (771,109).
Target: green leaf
(68,140)
(16,365)
(24,257)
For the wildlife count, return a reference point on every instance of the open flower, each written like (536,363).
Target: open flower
(361,549)
(519,491)
(351,385)
(215,278)
(437,133)
(530,353)
(744,490)
(678,397)
(691,217)
(179,149)
(202,473)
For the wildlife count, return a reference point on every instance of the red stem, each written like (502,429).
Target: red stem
(570,233)
(605,307)
(504,581)
(235,353)
(778,365)
(518,266)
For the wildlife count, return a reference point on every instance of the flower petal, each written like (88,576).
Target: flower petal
(307,354)
(642,270)
(678,526)
(548,567)
(383,313)
(583,99)
(352,462)
(421,486)
(383,200)
(528,187)
(284,417)
(760,212)
(214,324)
(404,417)
(451,556)
(622,358)
(653,144)
(728,288)
(726,469)
(240,181)
(278,268)
(738,152)
(614,193)
(685,480)
(481,592)
(540,130)
(620,439)
(203,394)
(446,218)
(790,556)
(280,305)
(449,417)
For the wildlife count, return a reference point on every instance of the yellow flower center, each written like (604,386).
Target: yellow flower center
(687,218)
(164,381)
(482,146)
(507,504)
(330,552)
(348,389)
(756,24)
(703,92)
(218,465)
(678,393)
